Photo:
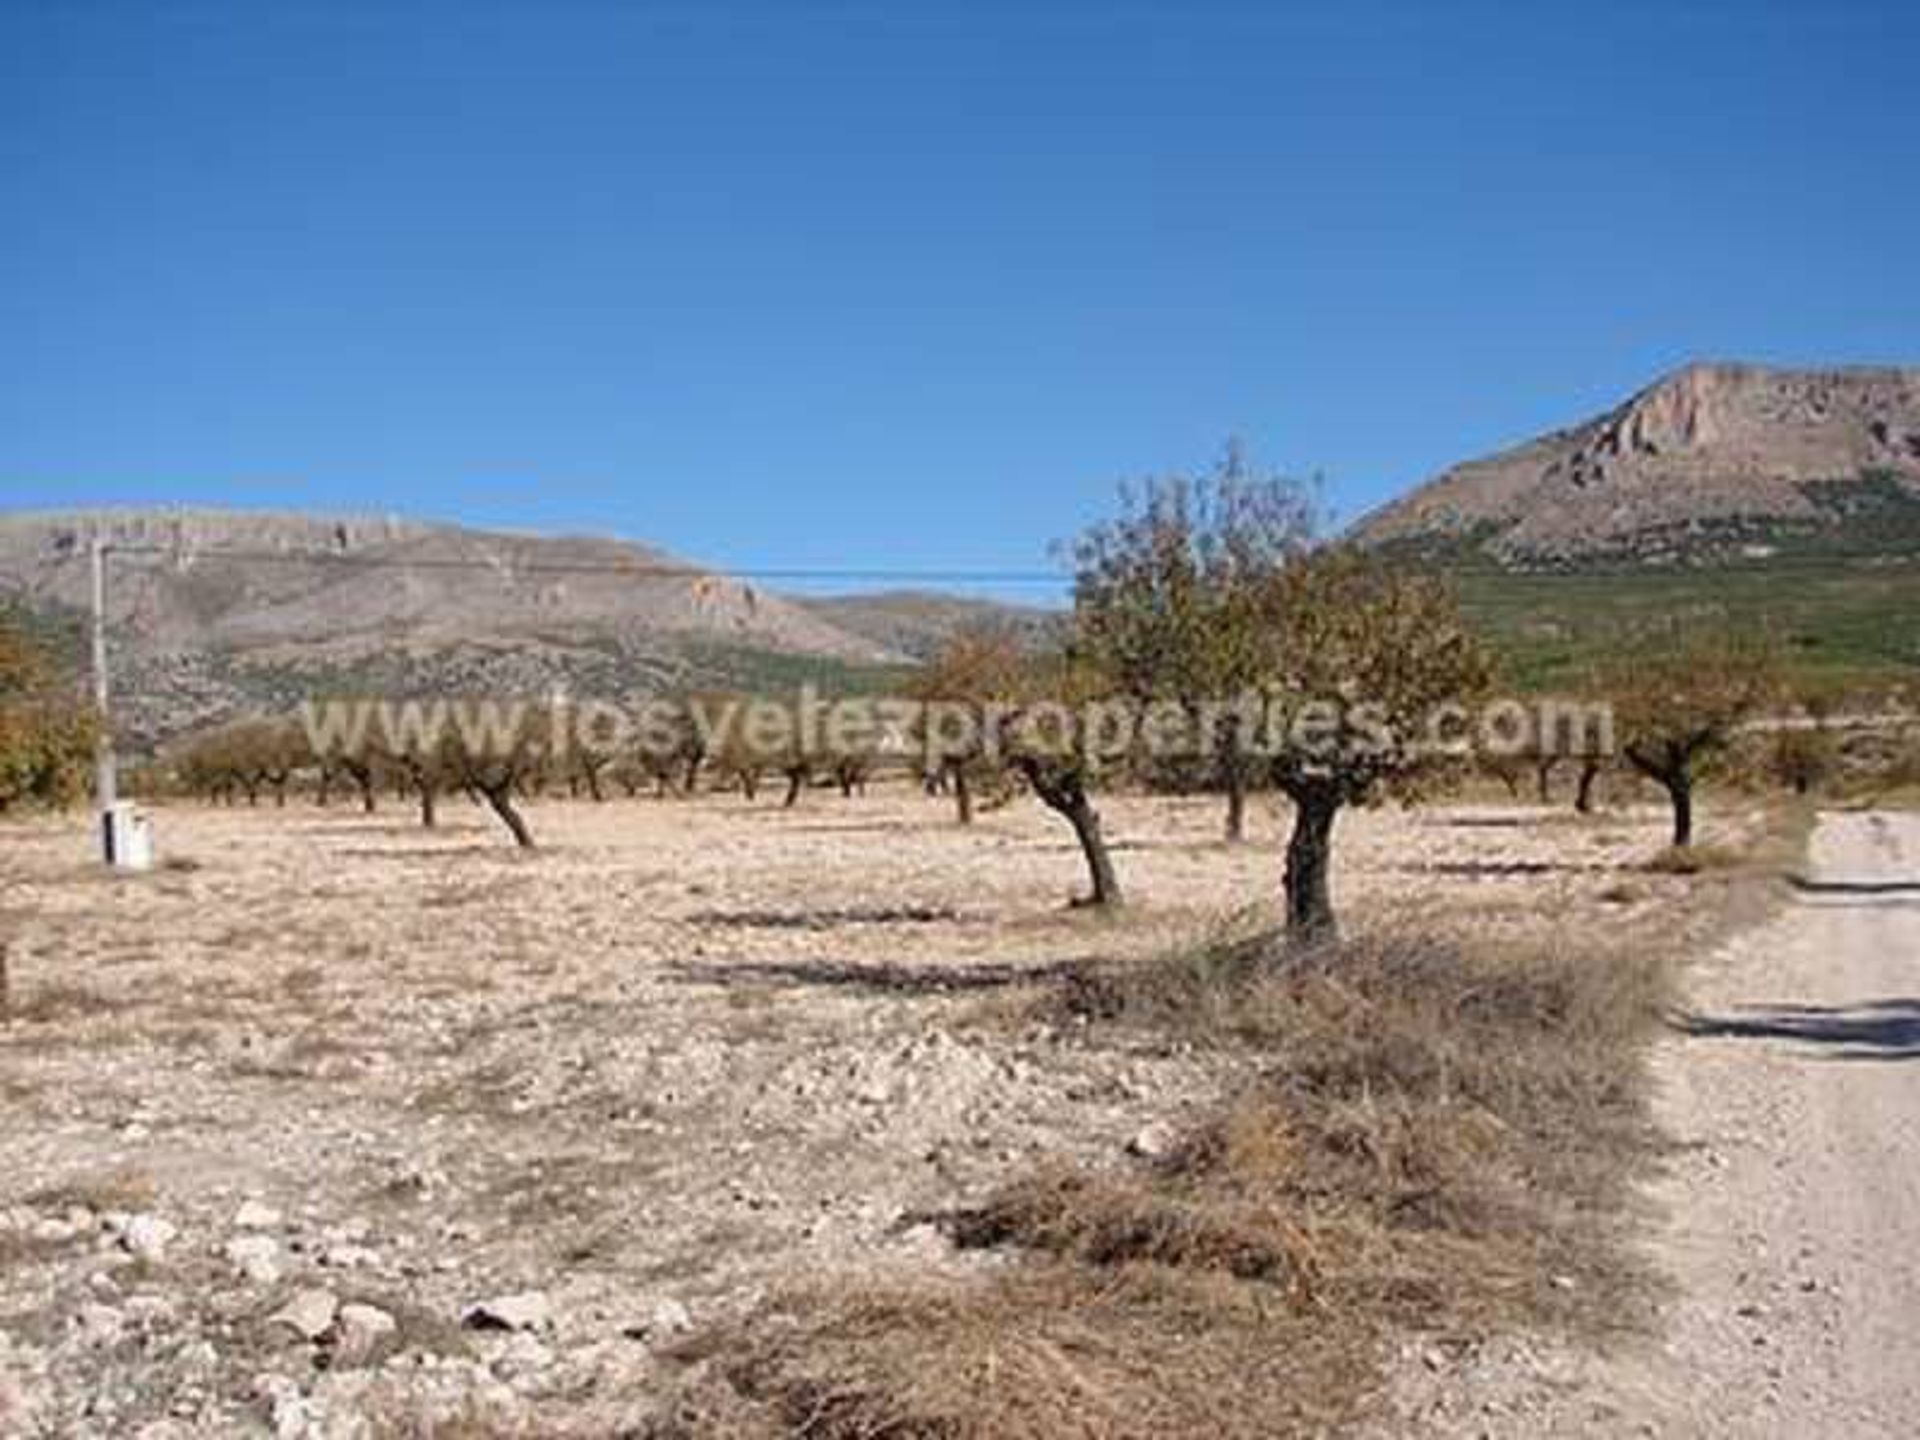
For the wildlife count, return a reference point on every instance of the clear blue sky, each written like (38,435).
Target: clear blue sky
(905,285)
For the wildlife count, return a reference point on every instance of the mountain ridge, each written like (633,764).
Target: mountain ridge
(1713,459)
(214,612)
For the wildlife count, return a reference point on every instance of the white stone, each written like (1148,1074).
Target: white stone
(252,1215)
(361,1327)
(256,1257)
(1153,1142)
(100,1326)
(309,1314)
(146,1237)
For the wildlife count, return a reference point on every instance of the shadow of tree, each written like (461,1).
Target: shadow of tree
(1807,885)
(1873,1030)
(873,977)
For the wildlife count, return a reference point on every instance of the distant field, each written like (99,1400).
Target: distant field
(1844,620)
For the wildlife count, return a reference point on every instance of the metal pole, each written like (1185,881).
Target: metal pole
(106,786)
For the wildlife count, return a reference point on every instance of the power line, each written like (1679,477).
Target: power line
(642,570)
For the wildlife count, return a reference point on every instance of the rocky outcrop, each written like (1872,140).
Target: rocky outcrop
(1716,455)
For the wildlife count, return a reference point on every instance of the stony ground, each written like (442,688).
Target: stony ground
(334,1126)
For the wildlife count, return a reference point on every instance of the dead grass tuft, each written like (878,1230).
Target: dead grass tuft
(60,1003)
(1037,1355)
(1696,859)
(123,1189)
(1432,1136)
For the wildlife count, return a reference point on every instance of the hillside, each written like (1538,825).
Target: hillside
(918,622)
(214,612)
(1714,462)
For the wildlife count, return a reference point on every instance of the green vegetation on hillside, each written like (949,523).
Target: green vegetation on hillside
(1841,620)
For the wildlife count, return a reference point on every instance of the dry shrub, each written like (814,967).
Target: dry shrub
(1047,1351)
(58,1003)
(1430,1136)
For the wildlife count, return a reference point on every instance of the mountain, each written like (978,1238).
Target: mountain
(215,612)
(918,622)
(1715,461)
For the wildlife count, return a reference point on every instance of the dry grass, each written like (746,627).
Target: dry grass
(1432,1136)
(120,1189)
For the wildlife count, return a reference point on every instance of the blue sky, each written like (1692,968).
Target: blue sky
(900,285)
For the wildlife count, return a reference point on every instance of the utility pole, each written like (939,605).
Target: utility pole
(106,779)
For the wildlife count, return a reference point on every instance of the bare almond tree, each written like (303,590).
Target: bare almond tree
(1160,595)
(1678,697)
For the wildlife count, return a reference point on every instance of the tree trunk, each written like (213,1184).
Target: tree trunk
(1066,794)
(690,783)
(1086,829)
(749,783)
(594,792)
(1233,770)
(1309,894)
(1670,767)
(962,793)
(429,813)
(500,798)
(1583,791)
(1543,780)
(795,779)
(1679,788)
(1236,806)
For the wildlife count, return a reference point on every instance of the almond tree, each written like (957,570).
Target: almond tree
(974,669)
(1159,596)
(989,706)
(1679,697)
(496,767)
(1360,663)
(46,738)
(1046,742)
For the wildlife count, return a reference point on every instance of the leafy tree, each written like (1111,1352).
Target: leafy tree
(975,669)
(1161,590)
(988,706)
(1679,697)
(1358,661)
(46,737)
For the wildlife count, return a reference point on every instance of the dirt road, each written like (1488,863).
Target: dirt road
(1789,1219)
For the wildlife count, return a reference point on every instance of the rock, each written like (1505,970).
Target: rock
(150,1312)
(146,1237)
(55,1232)
(663,1318)
(523,1358)
(309,1314)
(528,1310)
(361,1328)
(349,1257)
(100,1326)
(252,1215)
(1153,1142)
(256,1257)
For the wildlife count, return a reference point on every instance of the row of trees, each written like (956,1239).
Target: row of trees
(1198,594)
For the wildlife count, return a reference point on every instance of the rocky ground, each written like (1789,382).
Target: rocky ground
(331,1126)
